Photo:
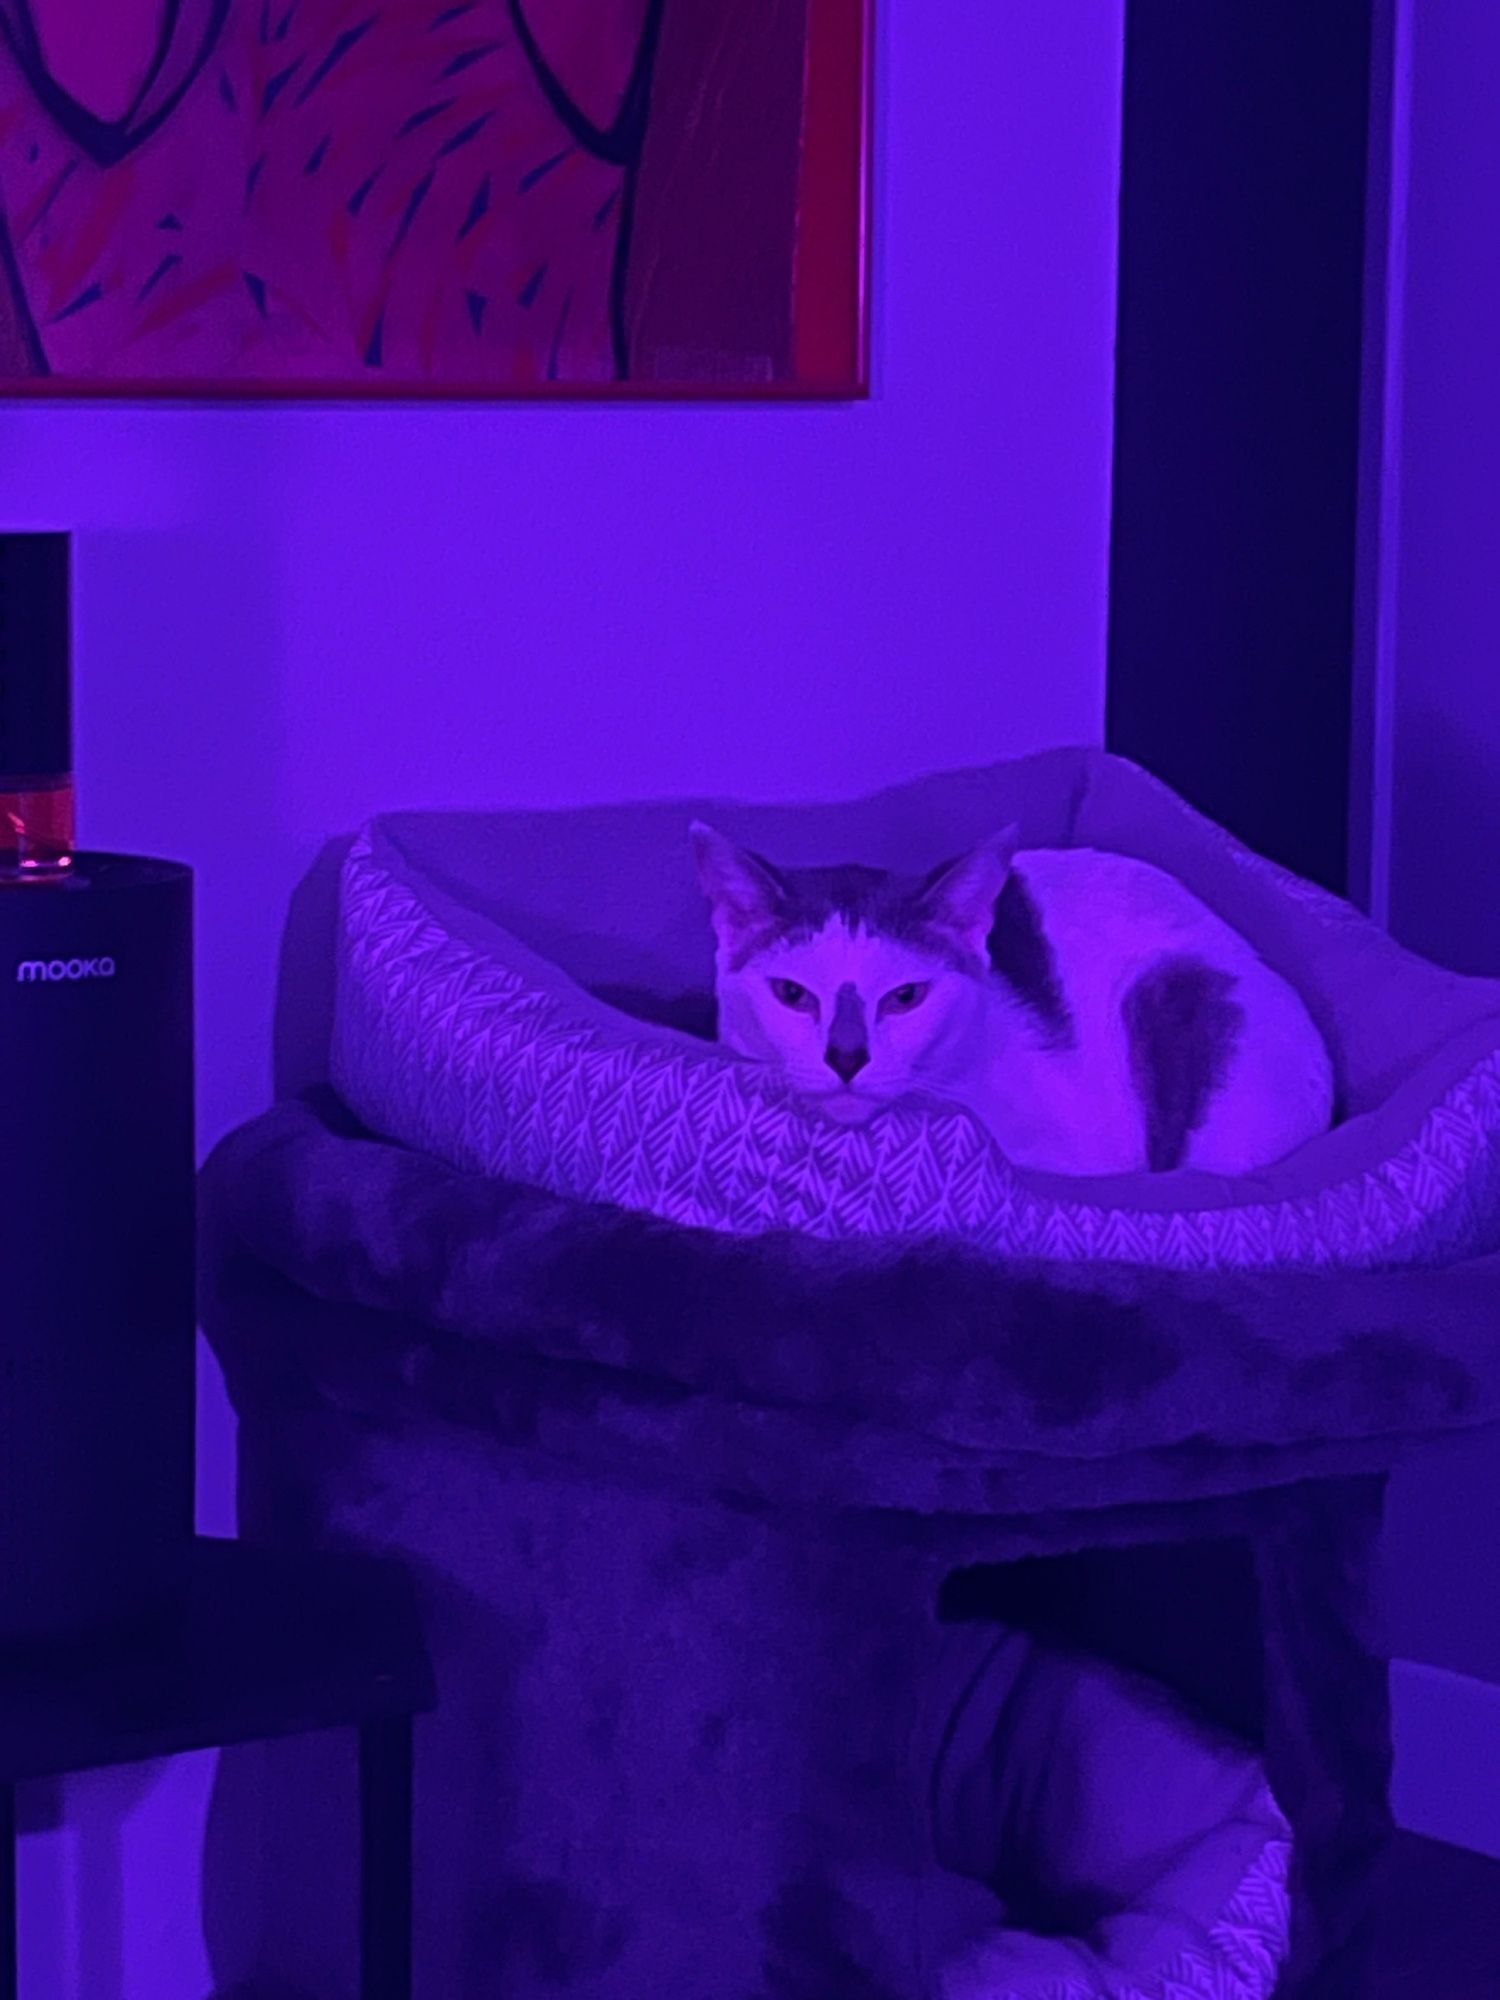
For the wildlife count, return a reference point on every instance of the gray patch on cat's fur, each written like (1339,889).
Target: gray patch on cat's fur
(1021,953)
(1182,1027)
(868,899)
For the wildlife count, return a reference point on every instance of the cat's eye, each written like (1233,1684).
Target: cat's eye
(790,994)
(901,999)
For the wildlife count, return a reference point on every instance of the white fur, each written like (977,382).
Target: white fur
(1076,1111)
(1072,1110)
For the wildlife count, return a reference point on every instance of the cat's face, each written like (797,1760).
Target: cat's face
(859,986)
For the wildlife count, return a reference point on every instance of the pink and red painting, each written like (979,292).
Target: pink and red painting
(433,197)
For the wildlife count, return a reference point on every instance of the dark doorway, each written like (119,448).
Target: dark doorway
(1237,417)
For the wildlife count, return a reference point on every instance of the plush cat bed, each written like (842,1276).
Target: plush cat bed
(527,994)
(732,1701)
(736,1696)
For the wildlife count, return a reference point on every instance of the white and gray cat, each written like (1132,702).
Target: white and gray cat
(1088,1008)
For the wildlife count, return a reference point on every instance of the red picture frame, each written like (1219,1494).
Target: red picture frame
(446,199)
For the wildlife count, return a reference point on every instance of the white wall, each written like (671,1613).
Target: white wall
(1441,797)
(290,618)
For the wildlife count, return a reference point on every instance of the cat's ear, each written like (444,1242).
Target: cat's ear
(744,892)
(961,895)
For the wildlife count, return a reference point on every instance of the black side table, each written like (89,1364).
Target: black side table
(267,1642)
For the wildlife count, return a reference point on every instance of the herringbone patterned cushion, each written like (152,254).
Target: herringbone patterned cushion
(1240,1958)
(451,1037)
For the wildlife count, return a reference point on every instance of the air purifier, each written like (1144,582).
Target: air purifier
(97,1310)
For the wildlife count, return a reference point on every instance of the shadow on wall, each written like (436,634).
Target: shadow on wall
(280,1870)
(1446,811)
(306,974)
(1445,903)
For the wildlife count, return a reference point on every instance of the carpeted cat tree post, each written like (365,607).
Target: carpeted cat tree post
(768,1569)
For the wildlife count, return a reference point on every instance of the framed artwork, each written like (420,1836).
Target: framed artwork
(473,198)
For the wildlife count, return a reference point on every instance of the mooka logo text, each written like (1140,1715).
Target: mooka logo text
(36,970)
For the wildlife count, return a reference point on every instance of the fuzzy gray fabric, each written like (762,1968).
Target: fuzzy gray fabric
(912,1376)
(690,1508)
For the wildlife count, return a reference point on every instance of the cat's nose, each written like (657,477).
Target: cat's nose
(846,1062)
